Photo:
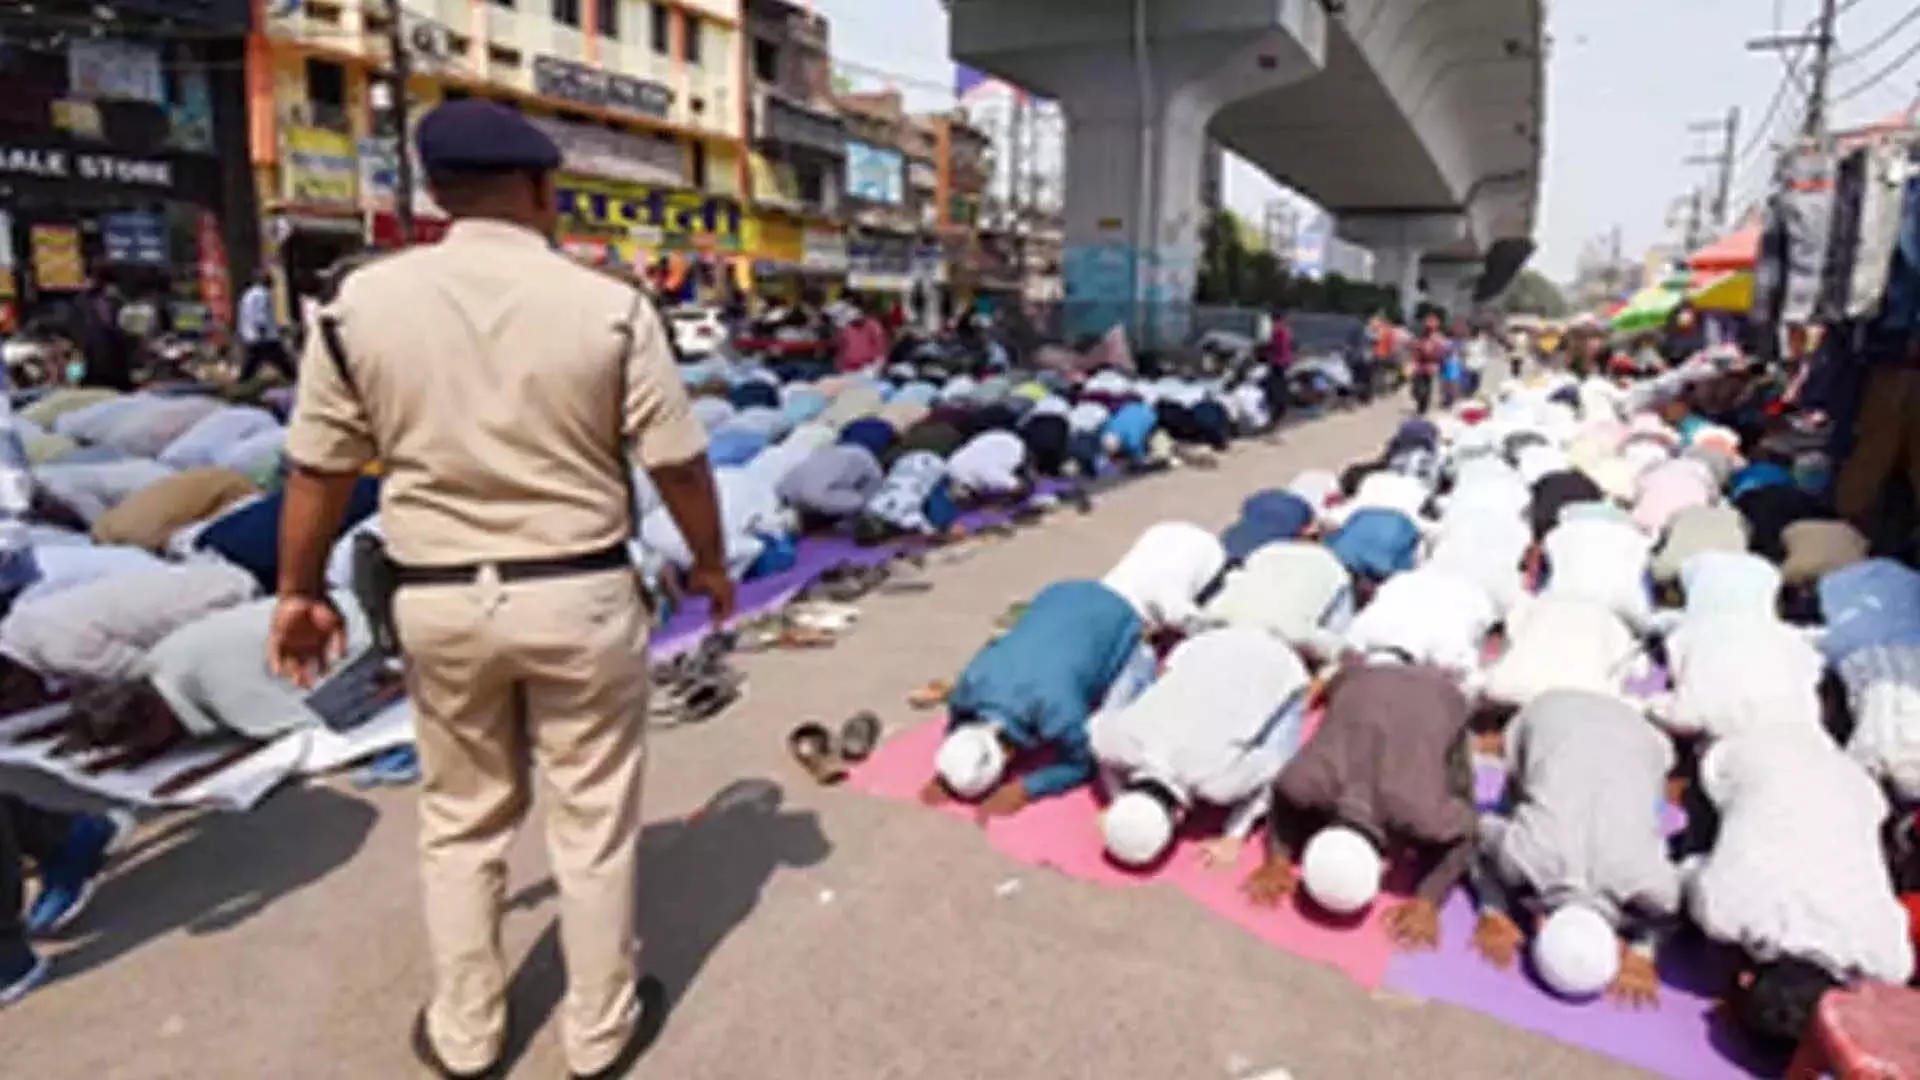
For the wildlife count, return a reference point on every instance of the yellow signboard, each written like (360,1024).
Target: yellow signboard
(636,221)
(319,167)
(57,262)
(774,238)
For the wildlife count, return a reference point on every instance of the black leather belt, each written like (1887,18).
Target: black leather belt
(593,562)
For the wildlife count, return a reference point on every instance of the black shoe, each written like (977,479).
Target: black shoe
(423,1049)
(653,1018)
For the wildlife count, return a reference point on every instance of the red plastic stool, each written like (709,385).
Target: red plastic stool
(1868,1032)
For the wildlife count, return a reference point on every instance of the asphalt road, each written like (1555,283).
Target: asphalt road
(807,933)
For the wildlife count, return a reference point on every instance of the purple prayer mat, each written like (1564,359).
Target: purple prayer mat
(814,557)
(1678,1039)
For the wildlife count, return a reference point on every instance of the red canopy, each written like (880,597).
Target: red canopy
(1738,250)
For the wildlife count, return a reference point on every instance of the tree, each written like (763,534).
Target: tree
(1532,294)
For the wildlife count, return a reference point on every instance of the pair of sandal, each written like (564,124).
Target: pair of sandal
(847,582)
(827,757)
(808,624)
(699,684)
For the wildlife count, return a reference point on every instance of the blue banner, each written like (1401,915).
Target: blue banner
(134,239)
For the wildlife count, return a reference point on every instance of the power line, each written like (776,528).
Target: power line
(1880,76)
(1887,35)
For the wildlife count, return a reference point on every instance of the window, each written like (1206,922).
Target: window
(693,41)
(766,60)
(566,12)
(608,23)
(662,30)
(326,84)
(700,166)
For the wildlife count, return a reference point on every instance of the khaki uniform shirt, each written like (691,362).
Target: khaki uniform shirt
(486,373)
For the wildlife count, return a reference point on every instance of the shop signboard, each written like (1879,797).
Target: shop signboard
(57,263)
(62,164)
(568,81)
(774,239)
(617,155)
(133,238)
(824,250)
(318,167)
(9,285)
(216,286)
(632,216)
(379,177)
(875,174)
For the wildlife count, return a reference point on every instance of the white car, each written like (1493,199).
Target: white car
(697,330)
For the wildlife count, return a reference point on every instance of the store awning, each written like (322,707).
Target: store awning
(1645,310)
(1729,293)
(1738,250)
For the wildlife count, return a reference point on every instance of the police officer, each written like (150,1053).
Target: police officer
(501,386)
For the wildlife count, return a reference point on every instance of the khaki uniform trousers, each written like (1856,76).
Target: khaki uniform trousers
(506,678)
(1886,446)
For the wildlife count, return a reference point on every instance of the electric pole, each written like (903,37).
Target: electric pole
(398,75)
(1690,240)
(1822,41)
(1722,163)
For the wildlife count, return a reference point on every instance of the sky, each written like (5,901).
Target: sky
(1626,79)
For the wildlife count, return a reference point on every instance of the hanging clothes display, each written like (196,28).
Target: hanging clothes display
(1882,195)
(1843,236)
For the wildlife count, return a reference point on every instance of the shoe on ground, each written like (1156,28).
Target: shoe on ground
(16,985)
(652,994)
(68,879)
(423,1050)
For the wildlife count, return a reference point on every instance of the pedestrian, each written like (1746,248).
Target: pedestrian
(1279,359)
(501,386)
(260,331)
(70,850)
(1429,353)
(96,326)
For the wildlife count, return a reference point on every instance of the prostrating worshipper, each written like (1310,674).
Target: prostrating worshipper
(99,633)
(1165,572)
(1388,772)
(1579,846)
(1872,642)
(1603,560)
(1734,664)
(932,435)
(1430,616)
(210,678)
(1670,487)
(1783,861)
(1048,436)
(1769,511)
(1380,489)
(149,517)
(202,443)
(873,433)
(64,566)
(1488,545)
(1374,544)
(1214,728)
(751,517)
(833,484)
(990,467)
(248,536)
(1695,530)
(148,423)
(1294,590)
(914,499)
(1267,517)
(90,490)
(1562,643)
(1319,487)
(1128,435)
(1033,689)
(1553,493)
(1485,486)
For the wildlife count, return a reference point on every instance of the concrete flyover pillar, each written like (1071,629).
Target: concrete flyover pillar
(1139,80)
(1450,284)
(1400,242)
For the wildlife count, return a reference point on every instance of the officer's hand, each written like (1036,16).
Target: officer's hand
(307,635)
(713,583)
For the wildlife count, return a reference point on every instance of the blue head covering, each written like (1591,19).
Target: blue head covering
(873,433)
(1376,543)
(1267,517)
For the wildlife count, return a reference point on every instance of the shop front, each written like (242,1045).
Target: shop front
(794,261)
(687,241)
(71,211)
(118,161)
(317,219)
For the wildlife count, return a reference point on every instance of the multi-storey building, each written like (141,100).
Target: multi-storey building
(799,152)
(643,96)
(892,193)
